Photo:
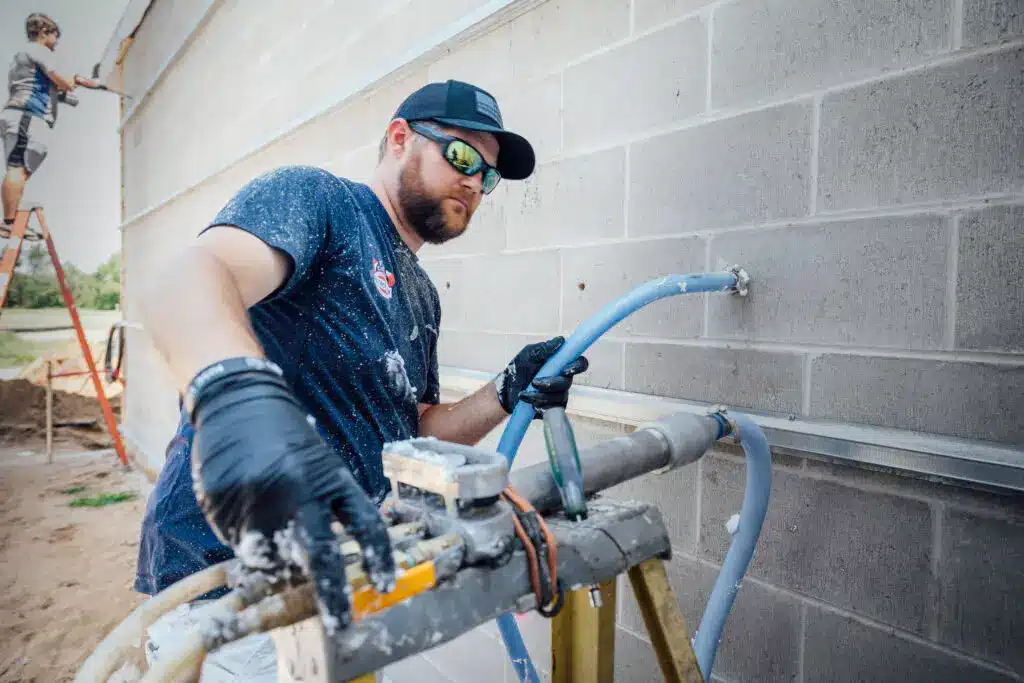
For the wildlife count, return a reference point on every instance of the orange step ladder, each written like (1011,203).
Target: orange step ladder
(19,233)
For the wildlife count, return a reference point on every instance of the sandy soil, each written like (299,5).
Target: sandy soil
(65,573)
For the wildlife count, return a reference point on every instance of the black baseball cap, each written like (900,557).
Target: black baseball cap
(463,105)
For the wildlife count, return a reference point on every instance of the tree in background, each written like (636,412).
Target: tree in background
(35,286)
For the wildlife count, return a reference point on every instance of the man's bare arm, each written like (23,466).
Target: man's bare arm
(466,421)
(195,307)
(470,419)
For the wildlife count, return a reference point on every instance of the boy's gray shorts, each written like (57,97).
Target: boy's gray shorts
(26,139)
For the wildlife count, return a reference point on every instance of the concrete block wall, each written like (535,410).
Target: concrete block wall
(253,70)
(862,159)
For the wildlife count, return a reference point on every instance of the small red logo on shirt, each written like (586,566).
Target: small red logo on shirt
(383,279)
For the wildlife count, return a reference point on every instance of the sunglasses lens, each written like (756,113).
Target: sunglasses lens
(467,160)
(463,157)
(491,178)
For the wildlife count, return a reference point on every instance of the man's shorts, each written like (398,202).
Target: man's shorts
(26,139)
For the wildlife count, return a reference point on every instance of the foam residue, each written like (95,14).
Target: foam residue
(331,622)
(398,378)
(290,548)
(253,551)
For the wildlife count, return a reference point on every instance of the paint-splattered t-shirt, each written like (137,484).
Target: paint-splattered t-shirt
(354,327)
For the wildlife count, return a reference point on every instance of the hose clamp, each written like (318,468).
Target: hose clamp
(720,412)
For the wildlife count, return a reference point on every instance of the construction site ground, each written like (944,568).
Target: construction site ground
(68,534)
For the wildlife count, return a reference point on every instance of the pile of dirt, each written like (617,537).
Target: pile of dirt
(76,418)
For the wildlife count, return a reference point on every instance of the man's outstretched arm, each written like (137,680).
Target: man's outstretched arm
(465,421)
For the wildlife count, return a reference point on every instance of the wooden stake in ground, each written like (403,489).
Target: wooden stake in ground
(49,412)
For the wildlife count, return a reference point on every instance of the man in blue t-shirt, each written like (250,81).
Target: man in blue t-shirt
(33,89)
(302,333)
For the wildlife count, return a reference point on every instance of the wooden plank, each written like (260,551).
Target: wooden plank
(583,638)
(664,622)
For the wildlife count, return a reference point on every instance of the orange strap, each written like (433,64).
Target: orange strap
(523,505)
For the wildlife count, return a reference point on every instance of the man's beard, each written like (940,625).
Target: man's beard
(422,212)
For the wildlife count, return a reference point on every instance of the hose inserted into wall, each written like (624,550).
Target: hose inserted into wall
(734,281)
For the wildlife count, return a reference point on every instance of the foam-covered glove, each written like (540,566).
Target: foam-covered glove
(270,486)
(514,382)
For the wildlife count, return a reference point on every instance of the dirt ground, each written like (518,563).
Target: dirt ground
(65,572)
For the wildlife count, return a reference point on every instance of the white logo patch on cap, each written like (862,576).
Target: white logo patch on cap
(488,106)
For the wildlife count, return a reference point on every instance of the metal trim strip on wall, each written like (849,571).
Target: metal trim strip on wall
(976,463)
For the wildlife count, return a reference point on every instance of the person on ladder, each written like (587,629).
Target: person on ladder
(26,122)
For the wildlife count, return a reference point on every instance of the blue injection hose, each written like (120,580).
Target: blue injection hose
(599,323)
(584,336)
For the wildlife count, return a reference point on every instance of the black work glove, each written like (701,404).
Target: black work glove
(270,486)
(514,382)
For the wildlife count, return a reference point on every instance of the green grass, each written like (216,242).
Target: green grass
(102,500)
(20,349)
(26,318)
(73,490)
(16,351)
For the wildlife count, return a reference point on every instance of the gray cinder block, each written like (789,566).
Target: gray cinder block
(596,276)
(746,169)
(449,278)
(948,132)
(483,351)
(635,660)
(574,200)
(872,282)
(842,650)
(649,82)
(970,400)
(992,21)
(989,308)
(738,377)
(512,292)
(648,13)
(770,48)
(981,608)
(868,552)
(474,656)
